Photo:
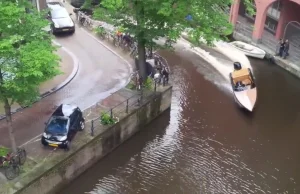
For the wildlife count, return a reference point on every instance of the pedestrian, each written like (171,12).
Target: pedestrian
(286,48)
(159,67)
(278,47)
(140,82)
(281,47)
(165,74)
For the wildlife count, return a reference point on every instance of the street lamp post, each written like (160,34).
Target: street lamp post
(284,33)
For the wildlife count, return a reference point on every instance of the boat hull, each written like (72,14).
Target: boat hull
(261,56)
(256,52)
(246,98)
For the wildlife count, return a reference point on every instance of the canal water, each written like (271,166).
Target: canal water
(205,143)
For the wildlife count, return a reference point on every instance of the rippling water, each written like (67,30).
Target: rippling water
(206,144)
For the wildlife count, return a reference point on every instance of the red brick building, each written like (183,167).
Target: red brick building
(271,15)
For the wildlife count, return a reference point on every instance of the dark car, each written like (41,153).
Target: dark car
(60,19)
(62,126)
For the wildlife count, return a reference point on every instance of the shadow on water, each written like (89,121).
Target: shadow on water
(110,163)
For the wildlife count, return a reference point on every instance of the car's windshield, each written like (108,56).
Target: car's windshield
(57,125)
(60,13)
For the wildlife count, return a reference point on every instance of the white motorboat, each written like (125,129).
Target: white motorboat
(243,86)
(248,49)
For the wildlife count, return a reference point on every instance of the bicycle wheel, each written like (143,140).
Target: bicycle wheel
(22,155)
(12,171)
(82,21)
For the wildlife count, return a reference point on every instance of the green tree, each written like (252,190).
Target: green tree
(149,20)
(27,56)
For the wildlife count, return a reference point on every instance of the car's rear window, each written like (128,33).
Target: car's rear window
(57,125)
(59,13)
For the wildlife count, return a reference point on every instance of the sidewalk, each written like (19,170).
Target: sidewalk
(66,67)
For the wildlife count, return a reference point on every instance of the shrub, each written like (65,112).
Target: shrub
(106,119)
(102,15)
(4,151)
(100,31)
(148,84)
(131,85)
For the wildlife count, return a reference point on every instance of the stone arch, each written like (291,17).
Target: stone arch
(263,5)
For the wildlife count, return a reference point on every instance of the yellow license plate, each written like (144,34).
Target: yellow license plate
(53,145)
(65,30)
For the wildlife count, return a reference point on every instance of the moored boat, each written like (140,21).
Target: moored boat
(248,49)
(243,86)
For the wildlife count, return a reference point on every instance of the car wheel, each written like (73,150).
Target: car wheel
(52,31)
(82,125)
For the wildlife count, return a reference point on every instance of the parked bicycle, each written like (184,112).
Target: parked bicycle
(11,163)
(136,80)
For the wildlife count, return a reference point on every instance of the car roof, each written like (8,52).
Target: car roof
(65,110)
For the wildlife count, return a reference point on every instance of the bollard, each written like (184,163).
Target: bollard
(155,86)
(92,128)
(127,106)
(111,113)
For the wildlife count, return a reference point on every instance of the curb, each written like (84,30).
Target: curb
(56,88)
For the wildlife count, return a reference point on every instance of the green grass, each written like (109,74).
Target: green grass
(4,151)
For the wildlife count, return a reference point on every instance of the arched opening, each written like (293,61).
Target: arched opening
(283,21)
(245,23)
(271,24)
(292,33)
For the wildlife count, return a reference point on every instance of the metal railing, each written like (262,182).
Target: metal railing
(124,108)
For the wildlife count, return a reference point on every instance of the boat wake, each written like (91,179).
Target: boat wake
(221,58)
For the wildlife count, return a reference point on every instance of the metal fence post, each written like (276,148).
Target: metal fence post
(155,86)
(111,113)
(92,128)
(142,94)
(127,105)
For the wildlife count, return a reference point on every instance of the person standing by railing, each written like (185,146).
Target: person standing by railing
(280,47)
(286,48)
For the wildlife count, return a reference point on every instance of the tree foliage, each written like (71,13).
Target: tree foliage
(149,20)
(27,56)
(167,18)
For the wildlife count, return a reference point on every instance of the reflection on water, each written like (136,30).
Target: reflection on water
(208,145)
